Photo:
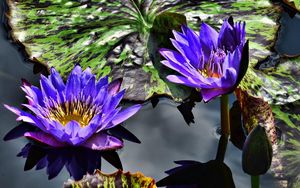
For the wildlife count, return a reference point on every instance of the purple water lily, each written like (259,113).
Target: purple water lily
(78,113)
(209,62)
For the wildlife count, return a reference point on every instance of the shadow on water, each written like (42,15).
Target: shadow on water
(163,132)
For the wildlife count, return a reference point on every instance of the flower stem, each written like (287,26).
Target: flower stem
(254,181)
(225,126)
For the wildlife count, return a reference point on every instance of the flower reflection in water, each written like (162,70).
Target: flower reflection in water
(78,160)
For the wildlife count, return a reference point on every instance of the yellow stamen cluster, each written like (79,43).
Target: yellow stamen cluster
(79,111)
(207,73)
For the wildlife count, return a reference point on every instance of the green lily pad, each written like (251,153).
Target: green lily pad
(118,179)
(288,120)
(111,36)
(276,84)
(293,3)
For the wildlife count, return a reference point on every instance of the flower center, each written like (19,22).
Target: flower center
(79,111)
(214,66)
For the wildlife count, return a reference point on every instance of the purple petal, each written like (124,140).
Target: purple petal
(113,102)
(208,39)
(44,138)
(77,70)
(102,141)
(102,82)
(72,128)
(89,88)
(85,77)
(178,62)
(87,131)
(37,96)
(172,56)
(179,68)
(183,80)
(26,117)
(48,89)
(56,80)
(106,123)
(194,40)
(73,83)
(189,81)
(102,95)
(209,94)
(229,79)
(57,130)
(194,56)
(235,59)
(180,37)
(125,114)
(114,86)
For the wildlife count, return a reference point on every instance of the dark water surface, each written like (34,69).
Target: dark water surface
(164,134)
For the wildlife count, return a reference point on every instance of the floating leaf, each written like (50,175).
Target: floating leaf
(118,179)
(293,3)
(257,152)
(288,120)
(111,36)
(276,82)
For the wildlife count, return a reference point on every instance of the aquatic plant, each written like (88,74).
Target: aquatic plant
(210,61)
(78,113)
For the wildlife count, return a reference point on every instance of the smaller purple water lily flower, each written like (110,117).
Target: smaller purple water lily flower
(78,113)
(210,62)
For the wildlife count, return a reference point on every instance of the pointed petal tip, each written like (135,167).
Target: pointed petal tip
(12,109)
(25,82)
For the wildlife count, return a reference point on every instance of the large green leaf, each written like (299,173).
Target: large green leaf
(288,120)
(118,179)
(111,36)
(277,83)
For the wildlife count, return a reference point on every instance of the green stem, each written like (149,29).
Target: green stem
(254,181)
(225,129)
(225,126)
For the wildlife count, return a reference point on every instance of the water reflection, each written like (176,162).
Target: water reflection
(194,174)
(77,160)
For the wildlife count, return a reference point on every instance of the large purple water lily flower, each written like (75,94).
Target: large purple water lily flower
(78,113)
(210,61)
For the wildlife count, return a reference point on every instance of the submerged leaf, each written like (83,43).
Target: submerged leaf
(118,179)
